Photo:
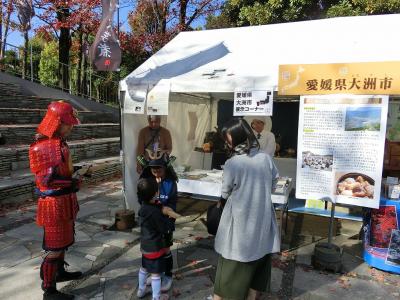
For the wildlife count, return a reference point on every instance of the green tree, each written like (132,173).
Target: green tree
(37,44)
(342,9)
(48,66)
(253,12)
(10,62)
(363,7)
(221,21)
(258,12)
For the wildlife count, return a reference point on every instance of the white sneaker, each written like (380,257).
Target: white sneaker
(142,292)
(166,283)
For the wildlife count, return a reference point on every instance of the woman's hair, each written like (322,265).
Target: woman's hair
(171,174)
(147,188)
(240,132)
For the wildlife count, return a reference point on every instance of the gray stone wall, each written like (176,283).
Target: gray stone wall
(16,159)
(24,190)
(17,135)
(34,116)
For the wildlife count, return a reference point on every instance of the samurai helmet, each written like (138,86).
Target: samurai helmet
(157,158)
(58,112)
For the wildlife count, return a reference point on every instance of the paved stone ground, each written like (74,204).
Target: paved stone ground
(111,259)
(21,241)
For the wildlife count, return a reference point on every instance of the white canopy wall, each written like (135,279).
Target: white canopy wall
(214,62)
(185,136)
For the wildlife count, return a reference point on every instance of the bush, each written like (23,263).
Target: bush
(48,66)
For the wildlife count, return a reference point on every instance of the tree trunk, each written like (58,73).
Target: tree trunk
(84,71)
(25,60)
(80,54)
(7,26)
(164,20)
(182,14)
(64,44)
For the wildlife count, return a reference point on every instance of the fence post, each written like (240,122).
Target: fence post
(90,82)
(31,63)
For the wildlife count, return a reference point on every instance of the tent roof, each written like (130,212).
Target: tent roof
(220,60)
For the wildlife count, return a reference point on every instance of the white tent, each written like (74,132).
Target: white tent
(205,66)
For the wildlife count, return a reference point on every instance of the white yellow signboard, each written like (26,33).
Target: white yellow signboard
(341,141)
(371,78)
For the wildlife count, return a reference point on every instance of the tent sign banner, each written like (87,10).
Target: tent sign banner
(341,141)
(158,99)
(135,100)
(370,78)
(248,102)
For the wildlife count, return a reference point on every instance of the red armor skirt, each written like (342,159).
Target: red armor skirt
(57,216)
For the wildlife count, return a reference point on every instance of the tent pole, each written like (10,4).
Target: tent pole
(121,152)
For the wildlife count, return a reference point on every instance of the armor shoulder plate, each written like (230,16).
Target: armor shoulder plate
(45,154)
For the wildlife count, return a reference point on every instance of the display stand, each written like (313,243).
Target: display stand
(327,255)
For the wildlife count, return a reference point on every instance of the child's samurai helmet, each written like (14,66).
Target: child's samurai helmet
(157,158)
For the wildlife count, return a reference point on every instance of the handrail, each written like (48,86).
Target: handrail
(92,85)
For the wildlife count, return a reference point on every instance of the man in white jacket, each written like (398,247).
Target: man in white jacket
(262,130)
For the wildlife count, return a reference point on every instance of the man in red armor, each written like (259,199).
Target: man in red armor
(50,161)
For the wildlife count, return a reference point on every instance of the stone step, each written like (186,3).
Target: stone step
(34,116)
(19,186)
(22,101)
(23,134)
(16,158)
(7,88)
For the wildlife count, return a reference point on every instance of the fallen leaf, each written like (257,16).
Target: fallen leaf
(351,274)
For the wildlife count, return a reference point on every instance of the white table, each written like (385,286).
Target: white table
(212,190)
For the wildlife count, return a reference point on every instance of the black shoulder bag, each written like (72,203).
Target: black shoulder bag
(214,213)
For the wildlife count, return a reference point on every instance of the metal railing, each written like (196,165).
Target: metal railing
(91,85)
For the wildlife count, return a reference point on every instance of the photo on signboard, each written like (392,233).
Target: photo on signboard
(363,118)
(317,162)
(393,255)
(353,184)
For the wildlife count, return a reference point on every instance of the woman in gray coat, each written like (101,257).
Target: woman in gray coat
(248,231)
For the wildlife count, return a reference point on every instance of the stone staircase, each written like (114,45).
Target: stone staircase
(95,142)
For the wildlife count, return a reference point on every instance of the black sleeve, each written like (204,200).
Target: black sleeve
(160,222)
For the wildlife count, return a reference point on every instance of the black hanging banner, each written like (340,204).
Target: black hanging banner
(105,52)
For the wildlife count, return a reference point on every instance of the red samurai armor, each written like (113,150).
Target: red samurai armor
(50,161)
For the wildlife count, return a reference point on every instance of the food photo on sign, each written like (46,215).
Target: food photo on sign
(354,185)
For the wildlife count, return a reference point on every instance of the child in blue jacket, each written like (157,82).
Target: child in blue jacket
(163,172)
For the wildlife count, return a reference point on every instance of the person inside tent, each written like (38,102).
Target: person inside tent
(153,137)
(261,126)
